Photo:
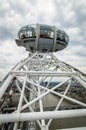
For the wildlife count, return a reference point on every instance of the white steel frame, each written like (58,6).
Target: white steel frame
(35,69)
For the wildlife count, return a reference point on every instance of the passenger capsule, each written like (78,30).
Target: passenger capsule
(42,38)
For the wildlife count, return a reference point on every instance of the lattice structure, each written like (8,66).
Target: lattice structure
(42,93)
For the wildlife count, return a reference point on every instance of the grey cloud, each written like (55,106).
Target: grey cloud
(9,14)
(2,65)
(27,12)
(17,7)
(60,9)
(20,7)
(3,13)
(78,19)
(6,33)
(80,11)
(33,2)
(81,54)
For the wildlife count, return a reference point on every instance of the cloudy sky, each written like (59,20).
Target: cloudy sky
(68,15)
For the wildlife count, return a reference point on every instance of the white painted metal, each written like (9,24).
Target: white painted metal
(31,109)
(78,128)
(81,82)
(55,35)
(20,101)
(44,94)
(41,107)
(58,94)
(58,105)
(34,70)
(5,85)
(45,73)
(42,115)
(37,35)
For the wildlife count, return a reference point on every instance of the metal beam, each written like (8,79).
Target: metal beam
(45,73)
(42,115)
(59,94)
(5,85)
(44,94)
(76,128)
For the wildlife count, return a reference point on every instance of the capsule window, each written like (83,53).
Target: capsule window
(46,34)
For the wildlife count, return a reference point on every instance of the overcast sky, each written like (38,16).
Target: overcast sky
(68,15)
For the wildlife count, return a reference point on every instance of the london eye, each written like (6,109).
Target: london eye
(42,92)
(42,38)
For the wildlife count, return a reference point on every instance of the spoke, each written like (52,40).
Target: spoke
(41,96)
(30,108)
(20,101)
(59,94)
(60,102)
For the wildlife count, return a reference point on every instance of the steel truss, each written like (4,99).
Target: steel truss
(33,76)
